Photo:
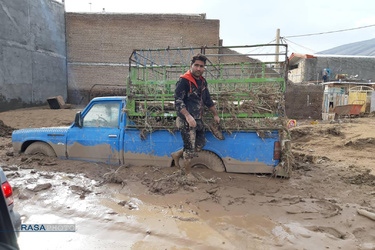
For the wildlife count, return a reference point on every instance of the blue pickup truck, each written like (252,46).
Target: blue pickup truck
(101,133)
(139,128)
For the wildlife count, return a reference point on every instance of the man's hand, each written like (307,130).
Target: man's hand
(214,112)
(191,121)
(189,118)
(217,119)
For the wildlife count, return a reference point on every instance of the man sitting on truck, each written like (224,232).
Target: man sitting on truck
(191,95)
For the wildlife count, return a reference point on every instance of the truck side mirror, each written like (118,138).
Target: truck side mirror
(78,122)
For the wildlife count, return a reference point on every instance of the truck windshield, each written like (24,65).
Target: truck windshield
(102,115)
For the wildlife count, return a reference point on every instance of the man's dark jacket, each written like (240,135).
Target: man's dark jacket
(192,94)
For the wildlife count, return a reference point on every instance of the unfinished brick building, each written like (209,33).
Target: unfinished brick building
(99,45)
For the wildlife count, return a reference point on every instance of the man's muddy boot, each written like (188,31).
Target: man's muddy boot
(187,166)
(176,157)
(189,176)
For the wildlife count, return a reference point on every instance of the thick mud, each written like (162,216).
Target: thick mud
(5,131)
(148,207)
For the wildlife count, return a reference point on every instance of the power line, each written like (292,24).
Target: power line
(287,40)
(262,48)
(328,32)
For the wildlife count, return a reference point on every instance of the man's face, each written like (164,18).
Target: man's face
(197,69)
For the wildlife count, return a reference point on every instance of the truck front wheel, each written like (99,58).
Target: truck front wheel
(208,160)
(40,148)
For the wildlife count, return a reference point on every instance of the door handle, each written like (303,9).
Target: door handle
(112,136)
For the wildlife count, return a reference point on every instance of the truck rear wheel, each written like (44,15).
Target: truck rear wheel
(209,160)
(40,148)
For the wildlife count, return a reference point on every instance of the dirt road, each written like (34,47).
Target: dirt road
(155,208)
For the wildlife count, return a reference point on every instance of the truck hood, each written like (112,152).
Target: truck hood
(39,134)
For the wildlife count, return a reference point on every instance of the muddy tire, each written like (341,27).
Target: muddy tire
(40,148)
(209,160)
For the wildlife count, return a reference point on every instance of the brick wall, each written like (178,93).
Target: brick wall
(99,45)
(304,101)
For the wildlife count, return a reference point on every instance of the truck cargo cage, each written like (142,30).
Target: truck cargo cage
(247,87)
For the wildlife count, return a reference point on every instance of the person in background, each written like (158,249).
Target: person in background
(325,76)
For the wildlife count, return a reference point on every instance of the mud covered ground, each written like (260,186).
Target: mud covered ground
(155,208)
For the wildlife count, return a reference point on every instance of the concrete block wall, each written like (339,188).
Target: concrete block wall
(99,45)
(364,67)
(32,52)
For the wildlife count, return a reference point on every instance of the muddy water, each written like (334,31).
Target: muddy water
(116,216)
(109,216)
(64,203)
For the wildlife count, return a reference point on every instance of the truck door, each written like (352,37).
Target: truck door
(98,138)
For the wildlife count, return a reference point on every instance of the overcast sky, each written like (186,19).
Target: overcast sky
(247,22)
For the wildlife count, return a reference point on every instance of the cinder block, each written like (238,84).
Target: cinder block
(57,102)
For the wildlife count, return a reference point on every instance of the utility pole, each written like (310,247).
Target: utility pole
(277,47)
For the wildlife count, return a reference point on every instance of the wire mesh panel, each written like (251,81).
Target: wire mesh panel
(248,90)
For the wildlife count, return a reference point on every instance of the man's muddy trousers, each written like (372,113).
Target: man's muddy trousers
(193,139)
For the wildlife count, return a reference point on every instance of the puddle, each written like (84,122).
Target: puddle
(111,216)
(96,224)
